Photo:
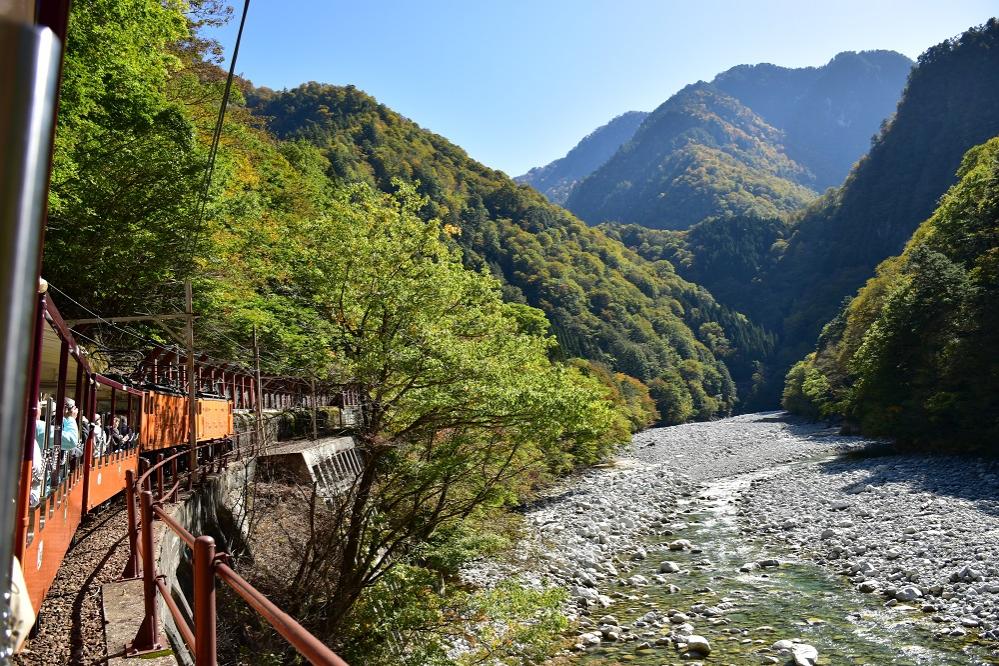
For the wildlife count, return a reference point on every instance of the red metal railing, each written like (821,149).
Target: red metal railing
(208,564)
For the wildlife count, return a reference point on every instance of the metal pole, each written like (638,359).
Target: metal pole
(132,565)
(192,393)
(147,638)
(315,411)
(204,601)
(159,477)
(260,390)
(28,93)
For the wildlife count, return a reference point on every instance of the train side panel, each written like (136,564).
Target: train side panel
(164,423)
(214,419)
(107,475)
(51,527)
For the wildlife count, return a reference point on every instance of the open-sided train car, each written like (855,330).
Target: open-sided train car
(67,469)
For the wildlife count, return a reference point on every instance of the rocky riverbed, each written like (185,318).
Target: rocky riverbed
(759,540)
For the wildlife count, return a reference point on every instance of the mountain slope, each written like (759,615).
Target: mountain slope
(827,113)
(913,354)
(757,140)
(951,103)
(604,302)
(701,153)
(557,179)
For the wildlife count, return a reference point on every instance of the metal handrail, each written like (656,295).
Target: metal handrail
(185,631)
(207,565)
(307,645)
(176,527)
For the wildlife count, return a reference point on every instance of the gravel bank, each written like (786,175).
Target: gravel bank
(918,532)
(736,445)
(922,531)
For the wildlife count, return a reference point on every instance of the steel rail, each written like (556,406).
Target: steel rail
(176,527)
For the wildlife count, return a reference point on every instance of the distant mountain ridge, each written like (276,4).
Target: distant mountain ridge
(556,179)
(701,153)
(834,111)
(757,140)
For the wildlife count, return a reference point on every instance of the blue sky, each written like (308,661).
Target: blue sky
(518,83)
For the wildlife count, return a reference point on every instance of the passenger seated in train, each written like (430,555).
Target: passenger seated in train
(38,458)
(100,438)
(116,441)
(123,428)
(71,450)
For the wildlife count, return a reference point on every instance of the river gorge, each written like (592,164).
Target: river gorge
(759,539)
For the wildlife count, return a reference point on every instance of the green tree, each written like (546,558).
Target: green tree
(463,409)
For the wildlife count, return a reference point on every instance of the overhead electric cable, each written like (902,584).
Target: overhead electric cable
(217,135)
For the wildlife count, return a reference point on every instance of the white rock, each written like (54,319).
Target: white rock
(804,655)
(698,645)
(869,586)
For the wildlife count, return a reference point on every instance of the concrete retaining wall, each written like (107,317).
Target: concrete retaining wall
(221,507)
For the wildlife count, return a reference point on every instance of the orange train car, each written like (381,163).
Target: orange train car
(165,420)
(69,465)
(67,469)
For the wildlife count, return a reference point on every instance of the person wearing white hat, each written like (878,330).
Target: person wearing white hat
(71,431)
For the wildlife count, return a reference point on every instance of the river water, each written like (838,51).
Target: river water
(797,600)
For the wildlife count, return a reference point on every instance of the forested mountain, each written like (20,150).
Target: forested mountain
(701,153)
(604,302)
(913,354)
(828,114)
(757,140)
(951,103)
(726,255)
(556,179)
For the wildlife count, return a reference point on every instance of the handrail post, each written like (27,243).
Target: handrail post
(204,601)
(159,477)
(173,477)
(132,566)
(143,468)
(192,469)
(148,637)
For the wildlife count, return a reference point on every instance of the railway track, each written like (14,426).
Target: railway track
(71,622)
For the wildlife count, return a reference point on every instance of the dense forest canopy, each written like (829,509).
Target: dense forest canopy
(913,354)
(605,303)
